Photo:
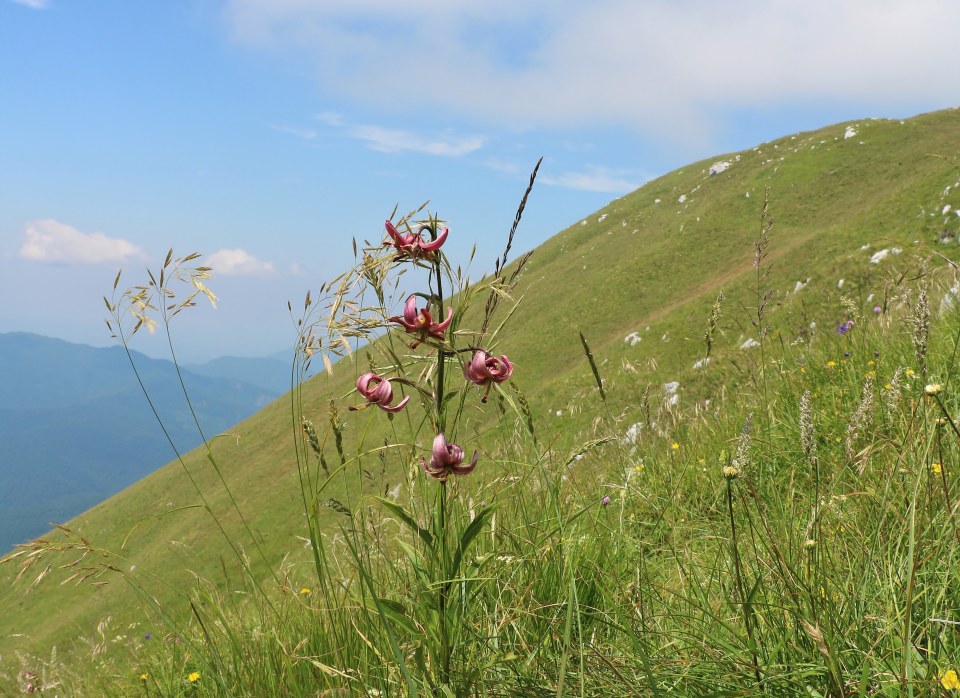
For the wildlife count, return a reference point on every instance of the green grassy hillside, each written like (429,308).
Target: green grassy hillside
(637,278)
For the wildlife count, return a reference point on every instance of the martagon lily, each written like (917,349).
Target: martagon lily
(485,370)
(413,245)
(421,323)
(447,458)
(378,391)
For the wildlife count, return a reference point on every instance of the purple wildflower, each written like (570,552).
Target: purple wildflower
(605,501)
(377,391)
(484,369)
(447,458)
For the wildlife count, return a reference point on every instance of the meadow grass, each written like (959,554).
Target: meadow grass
(794,535)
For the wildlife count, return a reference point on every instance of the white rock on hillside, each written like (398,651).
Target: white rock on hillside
(683,197)
(632,338)
(751,343)
(849,133)
(879,256)
(718,167)
(671,388)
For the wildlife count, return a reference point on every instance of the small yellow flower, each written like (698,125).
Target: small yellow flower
(950,680)
(933,389)
(144,676)
(731,472)
(675,446)
(887,386)
(703,461)
(803,370)
(305,591)
(871,362)
(910,372)
(831,363)
(193,677)
(936,468)
(870,374)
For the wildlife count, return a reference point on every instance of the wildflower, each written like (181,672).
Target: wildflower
(484,369)
(193,677)
(921,329)
(447,458)
(808,439)
(910,373)
(810,543)
(412,245)
(421,323)
(731,472)
(378,391)
(831,363)
(936,468)
(605,501)
(877,309)
(675,446)
(845,327)
(950,680)
(933,389)
(144,676)
(305,591)
(148,636)
(871,362)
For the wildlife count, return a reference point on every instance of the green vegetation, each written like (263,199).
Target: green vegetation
(781,522)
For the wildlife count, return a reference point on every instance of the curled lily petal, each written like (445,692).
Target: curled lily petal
(421,323)
(412,245)
(446,458)
(378,391)
(484,370)
(435,245)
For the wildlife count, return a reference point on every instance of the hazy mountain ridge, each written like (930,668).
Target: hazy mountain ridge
(75,427)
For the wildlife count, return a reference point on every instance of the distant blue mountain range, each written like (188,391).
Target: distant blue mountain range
(75,427)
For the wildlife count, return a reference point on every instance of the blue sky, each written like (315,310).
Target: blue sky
(268,133)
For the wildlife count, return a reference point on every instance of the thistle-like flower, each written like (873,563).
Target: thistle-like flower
(485,370)
(413,245)
(447,458)
(378,391)
(933,389)
(421,323)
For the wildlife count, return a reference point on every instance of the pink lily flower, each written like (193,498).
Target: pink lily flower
(421,323)
(447,458)
(378,391)
(484,369)
(413,245)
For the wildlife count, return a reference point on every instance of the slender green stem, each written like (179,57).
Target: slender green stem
(747,621)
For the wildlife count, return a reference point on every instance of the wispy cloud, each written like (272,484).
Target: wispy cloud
(47,240)
(304,133)
(598,179)
(392,140)
(677,68)
(238,262)
(34,4)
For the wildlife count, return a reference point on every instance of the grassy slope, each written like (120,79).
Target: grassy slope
(646,264)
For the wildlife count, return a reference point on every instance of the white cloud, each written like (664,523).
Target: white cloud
(34,4)
(671,66)
(47,240)
(304,133)
(392,140)
(238,263)
(598,179)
